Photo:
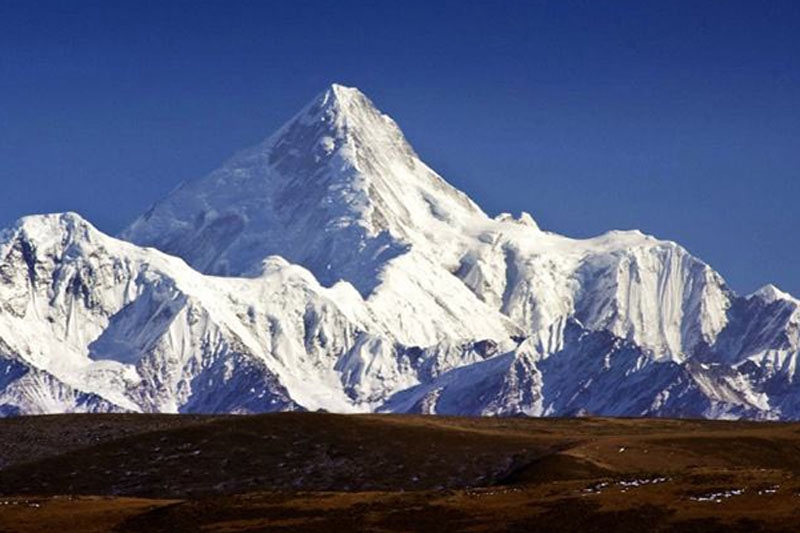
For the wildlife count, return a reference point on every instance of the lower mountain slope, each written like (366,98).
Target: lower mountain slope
(89,323)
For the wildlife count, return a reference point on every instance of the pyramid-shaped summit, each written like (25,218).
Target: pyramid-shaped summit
(337,189)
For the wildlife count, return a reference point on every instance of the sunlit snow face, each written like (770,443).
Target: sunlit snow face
(349,276)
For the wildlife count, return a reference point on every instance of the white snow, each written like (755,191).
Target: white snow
(330,268)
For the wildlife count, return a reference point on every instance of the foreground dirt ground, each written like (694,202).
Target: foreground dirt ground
(323,472)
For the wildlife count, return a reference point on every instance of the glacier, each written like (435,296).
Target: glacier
(329,268)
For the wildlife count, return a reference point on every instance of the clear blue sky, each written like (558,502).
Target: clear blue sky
(678,118)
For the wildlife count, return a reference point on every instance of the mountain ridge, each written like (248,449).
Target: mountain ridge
(328,267)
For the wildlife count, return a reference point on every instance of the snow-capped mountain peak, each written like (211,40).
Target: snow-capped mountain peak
(328,267)
(770,293)
(339,176)
(345,109)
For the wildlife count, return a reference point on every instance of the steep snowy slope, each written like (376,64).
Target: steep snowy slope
(593,373)
(25,389)
(648,291)
(339,190)
(130,326)
(330,268)
(106,325)
(145,332)
(762,341)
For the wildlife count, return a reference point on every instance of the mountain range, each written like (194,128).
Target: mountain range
(329,268)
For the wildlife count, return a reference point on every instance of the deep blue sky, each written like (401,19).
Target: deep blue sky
(681,119)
